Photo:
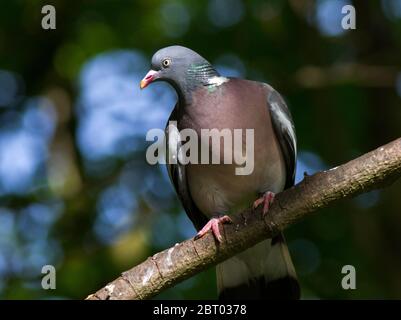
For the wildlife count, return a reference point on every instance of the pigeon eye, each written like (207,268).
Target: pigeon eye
(166,63)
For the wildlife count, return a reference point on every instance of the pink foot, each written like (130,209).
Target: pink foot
(213,225)
(266,199)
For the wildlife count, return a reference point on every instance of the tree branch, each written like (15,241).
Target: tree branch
(373,170)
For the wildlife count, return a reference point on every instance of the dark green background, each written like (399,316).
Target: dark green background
(75,190)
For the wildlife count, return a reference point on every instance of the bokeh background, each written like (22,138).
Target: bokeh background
(75,189)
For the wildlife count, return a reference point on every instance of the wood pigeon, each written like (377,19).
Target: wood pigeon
(210,192)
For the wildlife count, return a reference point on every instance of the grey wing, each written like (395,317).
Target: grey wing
(177,174)
(285,132)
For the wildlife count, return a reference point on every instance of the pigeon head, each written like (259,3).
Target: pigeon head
(183,68)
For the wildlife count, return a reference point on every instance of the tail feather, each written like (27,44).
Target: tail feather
(264,271)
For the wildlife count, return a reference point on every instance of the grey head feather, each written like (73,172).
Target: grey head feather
(186,70)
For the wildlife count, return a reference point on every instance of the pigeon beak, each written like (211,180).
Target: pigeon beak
(150,76)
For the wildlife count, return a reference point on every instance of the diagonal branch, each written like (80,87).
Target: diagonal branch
(373,170)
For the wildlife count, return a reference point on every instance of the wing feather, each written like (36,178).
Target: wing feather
(285,132)
(177,174)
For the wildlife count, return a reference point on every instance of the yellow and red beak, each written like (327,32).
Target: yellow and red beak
(150,76)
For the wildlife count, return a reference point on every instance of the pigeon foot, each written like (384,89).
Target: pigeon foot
(213,225)
(266,199)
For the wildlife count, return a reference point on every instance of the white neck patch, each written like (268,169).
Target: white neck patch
(217,81)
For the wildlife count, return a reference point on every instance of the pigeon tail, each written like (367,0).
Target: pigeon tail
(264,271)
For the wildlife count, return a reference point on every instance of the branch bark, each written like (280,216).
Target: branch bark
(372,170)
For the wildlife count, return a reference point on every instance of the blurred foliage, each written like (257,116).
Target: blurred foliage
(75,189)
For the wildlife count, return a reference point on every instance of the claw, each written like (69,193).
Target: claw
(266,200)
(213,224)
